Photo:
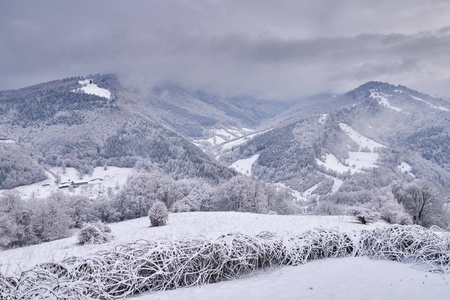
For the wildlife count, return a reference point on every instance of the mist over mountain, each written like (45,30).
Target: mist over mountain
(321,146)
(358,142)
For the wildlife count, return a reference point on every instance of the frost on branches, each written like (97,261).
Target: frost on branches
(160,265)
(158,214)
(94,233)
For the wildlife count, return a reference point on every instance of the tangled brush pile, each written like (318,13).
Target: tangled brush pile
(160,265)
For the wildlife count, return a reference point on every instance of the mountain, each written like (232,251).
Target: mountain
(345,147)
(359,143)
(94,121)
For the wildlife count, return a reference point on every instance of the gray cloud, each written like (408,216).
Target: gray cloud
(274,50)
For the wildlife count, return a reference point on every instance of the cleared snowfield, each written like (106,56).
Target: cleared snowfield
(244,166)
(361,140)
(240,141)
(93,89)
(8,141)
(382,99)
(352,278)
(98,182)
(361,160)
(332,163)
(357,161)
(431,105)
(180,225)
(296,194)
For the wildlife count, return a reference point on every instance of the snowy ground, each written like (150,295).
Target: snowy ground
(181,225)
(382,99)
(361,140)
(344,278)
(352,278)
(357,161)
(223,140)
(244,166)
(431,105)
(93,89)
(98,182)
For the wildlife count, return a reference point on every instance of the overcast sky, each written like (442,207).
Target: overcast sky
(268,49)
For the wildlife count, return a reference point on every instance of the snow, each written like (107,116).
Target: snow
(224,133)
(244,166)
(362,141)
(180,225)
(93,89)
(341,278)
(323,118)
(240,141)
(231,144)
(431,105)
(336,183)
(222,136)
(296,194)
(332,163)
(98,182)
(359,161)
(8,141)
(216,140)
(406,168)
(398,91)
(309,191)
(382,99)
(351,278)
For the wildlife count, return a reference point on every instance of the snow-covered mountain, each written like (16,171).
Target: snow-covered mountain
(320,146)
(95,121)
(368,138)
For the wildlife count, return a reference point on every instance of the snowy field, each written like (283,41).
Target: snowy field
(244,166)
(91,88)
(181,225)
(431,105)
(352,278)
(97,183)
(342,278)
(358,161)
(382,99)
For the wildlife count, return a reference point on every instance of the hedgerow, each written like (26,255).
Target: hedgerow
(160,265)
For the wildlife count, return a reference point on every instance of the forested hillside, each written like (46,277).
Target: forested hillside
(387,133)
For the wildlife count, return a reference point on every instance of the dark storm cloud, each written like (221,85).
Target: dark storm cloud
(271,49)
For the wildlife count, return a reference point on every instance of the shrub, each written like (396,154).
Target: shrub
(158,214)
(365,215)
(94,233)
(326,208)
(393,213)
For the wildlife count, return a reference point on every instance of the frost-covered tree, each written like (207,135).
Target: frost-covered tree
(81,210)
(51,219)
(423,201)
(158,214)
(15,221)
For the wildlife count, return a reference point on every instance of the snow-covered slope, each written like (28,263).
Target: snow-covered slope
(98,182)
(383,100)
(357,161)
(91,88)
(244,166)
(352,278)
(180,225)
(341,278)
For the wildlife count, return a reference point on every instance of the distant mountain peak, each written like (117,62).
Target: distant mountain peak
(366,89)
